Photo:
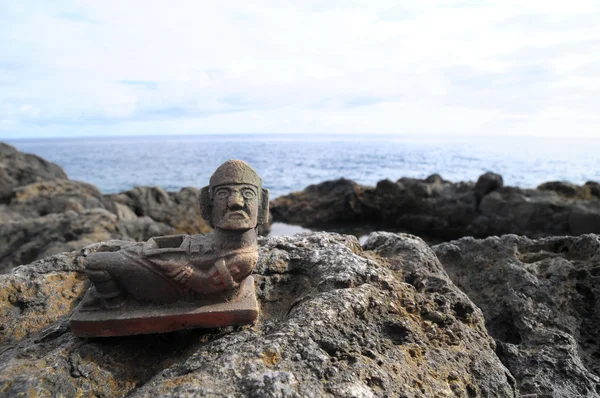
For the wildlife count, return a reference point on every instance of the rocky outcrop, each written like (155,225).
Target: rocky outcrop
(335,321)
(331,202)
(42,212)
(181,210)
(540,303)
(28,239)
(439,210)
(54,216)
(570,190)
(57,196)
(18,169)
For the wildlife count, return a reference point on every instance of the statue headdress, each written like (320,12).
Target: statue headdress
(235,172)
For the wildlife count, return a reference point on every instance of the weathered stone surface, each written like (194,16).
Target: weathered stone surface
(141,229)
(23,240)
(57,196)
(330,202)
(594,188)
(540,301)
(26,240)
(336,321)
(39,294)
(181,210)
(567,189)
(18,169)
(487,183)
(439,210)
(42,212)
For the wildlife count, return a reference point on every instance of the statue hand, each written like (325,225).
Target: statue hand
(178,273)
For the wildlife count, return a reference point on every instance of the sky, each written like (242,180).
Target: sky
(94,68)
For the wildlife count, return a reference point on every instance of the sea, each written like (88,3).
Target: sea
(289,163)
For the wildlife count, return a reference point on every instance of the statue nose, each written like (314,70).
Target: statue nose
(235,200)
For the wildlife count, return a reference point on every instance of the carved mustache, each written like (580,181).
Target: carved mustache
(243,211)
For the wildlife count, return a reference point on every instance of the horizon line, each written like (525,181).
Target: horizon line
(385,135)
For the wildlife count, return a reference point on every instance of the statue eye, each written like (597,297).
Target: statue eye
(222,193)
(248,194)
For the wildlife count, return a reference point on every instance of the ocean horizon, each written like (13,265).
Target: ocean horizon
(290,162)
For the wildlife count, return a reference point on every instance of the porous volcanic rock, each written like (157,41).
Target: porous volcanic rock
(440,210)
(335,321)
(540,299)
(18,169)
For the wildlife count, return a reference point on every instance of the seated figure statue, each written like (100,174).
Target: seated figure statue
(179,270)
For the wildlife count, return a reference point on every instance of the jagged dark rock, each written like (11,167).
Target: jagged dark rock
(336,321)
(18,169)
(327,203)
(181,210)
(594,188)
(487,183)
(57,196)
(28,239)
(439,210)
(567,189)
(42,212)
(540,302)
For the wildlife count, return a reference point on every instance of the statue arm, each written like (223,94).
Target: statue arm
(225,274)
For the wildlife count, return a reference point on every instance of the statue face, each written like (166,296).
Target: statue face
(235,206)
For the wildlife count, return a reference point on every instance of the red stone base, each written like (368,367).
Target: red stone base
(134,318)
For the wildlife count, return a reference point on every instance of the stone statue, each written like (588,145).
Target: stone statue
(182,281)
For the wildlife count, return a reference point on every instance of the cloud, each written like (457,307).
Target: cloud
(427,67)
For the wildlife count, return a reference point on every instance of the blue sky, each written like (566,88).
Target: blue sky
(76,68)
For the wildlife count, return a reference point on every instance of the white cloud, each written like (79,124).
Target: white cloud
(428,67)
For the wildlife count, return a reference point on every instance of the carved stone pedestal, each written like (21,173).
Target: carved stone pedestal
(142,318)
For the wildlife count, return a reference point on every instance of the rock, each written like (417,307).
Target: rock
(42,212)
(181,210)
(26,240)
(585,218)
(435,179)
(325,203)
(57,196)
(487,183)
(336,321)
(18,169)
(40,294)
(540,301)
(124,213)
(438,210)
(566,189)
(527,212)
(143,228)
(7,214)
(594,188)
(29,239)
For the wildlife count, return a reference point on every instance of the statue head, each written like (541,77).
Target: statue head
(234,198)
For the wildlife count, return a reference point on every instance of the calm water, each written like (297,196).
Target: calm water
(290,163)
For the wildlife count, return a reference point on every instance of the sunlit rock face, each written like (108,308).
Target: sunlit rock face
(336,320)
